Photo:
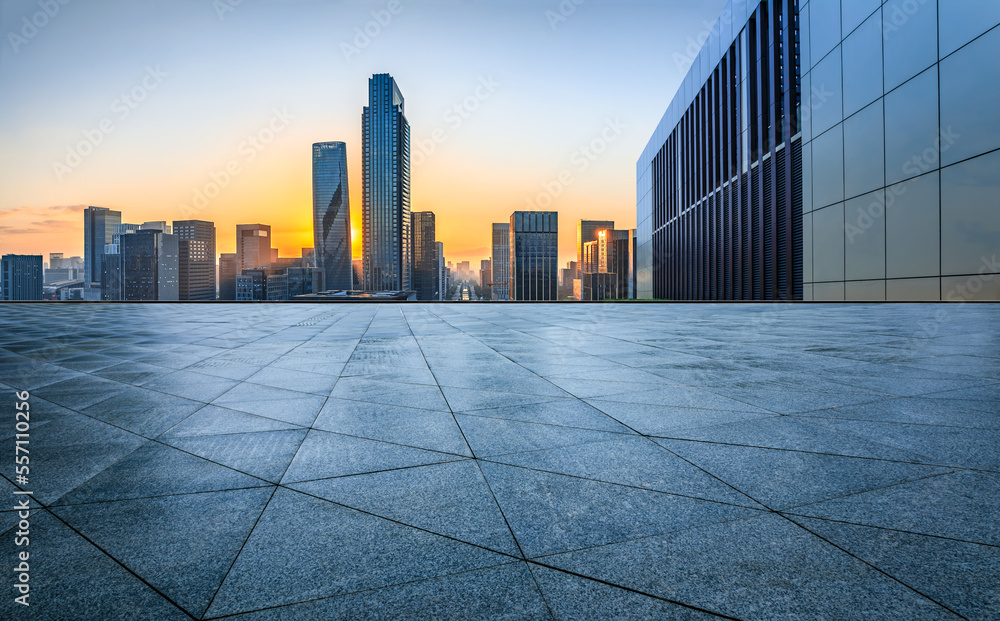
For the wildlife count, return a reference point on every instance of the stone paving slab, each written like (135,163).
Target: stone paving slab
(506,461)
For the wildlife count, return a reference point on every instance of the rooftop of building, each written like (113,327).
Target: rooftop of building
(317,461)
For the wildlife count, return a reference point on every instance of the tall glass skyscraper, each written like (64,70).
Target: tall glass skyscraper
(332,215)
(501,261)
(98,230)
(534,256)
(425,259)
(386,175)
(829,150)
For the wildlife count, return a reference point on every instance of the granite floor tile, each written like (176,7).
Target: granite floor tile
(468,399)
(552,513)
(960,576)
(181,545)
(563,413)
(782,478)
(450,499)
(71,580)
(759,568)
(191,385)
(960,505)
(265,455)
(143,412)
(497,436)
(212,420)
(425,429)
(663,419)
(633,461)
(325,455)
(325,550)
(156,470)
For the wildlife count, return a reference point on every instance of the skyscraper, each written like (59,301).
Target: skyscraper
(586,231)
(442,272)
(98,229)
(534,256)
(501,261)
(425,262)
(386,234)
(21,277)
(253,246)
(228,270)
(196,248)
(149,266)
(332,215)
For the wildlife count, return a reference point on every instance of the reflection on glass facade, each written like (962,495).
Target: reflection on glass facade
(332,215)
(892,106)
(534,256)
(386,208)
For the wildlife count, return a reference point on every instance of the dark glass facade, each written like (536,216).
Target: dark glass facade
(829,150)
(149,266)
(534,256)
(386,235)
(332,215)
(98,230)
(500,262)
(21,277)
(425,257)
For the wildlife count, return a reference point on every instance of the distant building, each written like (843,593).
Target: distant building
(228,270)
(196,246)
(22,277)
(156,225)
(534,256)
(253,246)
(309,257)
(60,268)
(150,267)
(586,231)
(608,269)
(385,158)
(424,261)
(501,262)
(98,230)
(262,285)
(442,273)
(332,213)
(304,281)
(359,273)
(485,278)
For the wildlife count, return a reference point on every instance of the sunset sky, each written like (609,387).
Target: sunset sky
(137,105)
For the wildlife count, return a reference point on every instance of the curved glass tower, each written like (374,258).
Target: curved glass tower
(386,209)
(332,215)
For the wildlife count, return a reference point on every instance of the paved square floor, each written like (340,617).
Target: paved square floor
(281,462)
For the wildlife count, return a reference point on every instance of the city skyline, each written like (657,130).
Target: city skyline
(477,162)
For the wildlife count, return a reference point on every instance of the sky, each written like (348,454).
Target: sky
(207,109)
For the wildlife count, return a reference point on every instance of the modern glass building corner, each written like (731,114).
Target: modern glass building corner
(830,150)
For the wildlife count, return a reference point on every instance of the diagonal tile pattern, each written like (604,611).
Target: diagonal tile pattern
(507,461)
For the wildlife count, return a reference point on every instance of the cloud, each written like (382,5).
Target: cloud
(43,212)
(56,224)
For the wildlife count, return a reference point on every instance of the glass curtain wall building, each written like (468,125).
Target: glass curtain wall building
(534,256)
(501,262)
(332,215)
(425,260)
(386,234)
(829,150)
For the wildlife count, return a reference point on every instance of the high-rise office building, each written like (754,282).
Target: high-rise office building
(150,266)
(98,229)
(156,225)
(262,285)
(21,277)
(196,247)
(425,262)
(485,278)
(829,151)
(501,261)
(586,231)
(442,272)
(332,214)
(228,270)
(534,256)
(386,235)
(607,269)
(253,246)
